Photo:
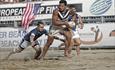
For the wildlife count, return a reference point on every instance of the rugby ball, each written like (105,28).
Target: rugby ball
(100,6)
(71,23)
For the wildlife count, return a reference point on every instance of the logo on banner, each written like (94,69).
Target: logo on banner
(97,39)
(100,6)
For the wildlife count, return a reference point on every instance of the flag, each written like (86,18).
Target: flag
(29,14)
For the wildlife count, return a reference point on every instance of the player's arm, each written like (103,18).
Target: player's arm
(46,32)
(73,13)
(55,19)
(80,22)
(32,39)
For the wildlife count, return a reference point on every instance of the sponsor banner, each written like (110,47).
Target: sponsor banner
(98,35)
(97,7)
(93,35)
(18,11)
(10,37)
(9,12)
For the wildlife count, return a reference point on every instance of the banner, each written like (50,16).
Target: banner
(9,12)
(93,35)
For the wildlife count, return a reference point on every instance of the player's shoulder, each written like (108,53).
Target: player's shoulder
(45,30)
(34,30)
(72,11)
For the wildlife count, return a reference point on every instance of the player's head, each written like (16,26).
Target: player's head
(40,26)
(62,5)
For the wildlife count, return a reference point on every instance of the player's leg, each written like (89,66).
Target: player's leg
(15,50)
(72,44)
(68,43)
(38,50)
(77,43)
(46,47)
(21,47)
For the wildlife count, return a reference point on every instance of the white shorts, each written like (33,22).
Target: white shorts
(75,34)
(24,44)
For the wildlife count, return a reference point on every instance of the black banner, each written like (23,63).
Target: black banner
(18,11)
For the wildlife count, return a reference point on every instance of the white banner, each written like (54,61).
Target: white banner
(11,37)
(14,12)
(105,33)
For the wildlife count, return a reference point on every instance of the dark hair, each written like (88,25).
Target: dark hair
(63,1)
(38,24)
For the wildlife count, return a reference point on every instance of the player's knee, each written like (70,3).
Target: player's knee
(17,50)
(37,48)
(50,40)
(78,43)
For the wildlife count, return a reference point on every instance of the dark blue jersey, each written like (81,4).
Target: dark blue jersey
(36,33)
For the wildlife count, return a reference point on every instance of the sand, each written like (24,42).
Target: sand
(54,60)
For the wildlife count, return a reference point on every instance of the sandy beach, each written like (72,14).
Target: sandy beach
(55,60)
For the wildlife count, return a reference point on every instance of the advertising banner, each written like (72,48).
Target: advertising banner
(13,12)
(92,35)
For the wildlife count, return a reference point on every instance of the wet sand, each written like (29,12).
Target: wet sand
(55,60)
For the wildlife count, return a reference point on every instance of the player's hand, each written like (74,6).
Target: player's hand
(67,25)
(32,43)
